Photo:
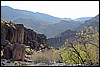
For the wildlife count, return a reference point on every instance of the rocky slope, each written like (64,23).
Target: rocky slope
(14,38)
(59,39)
(94,22)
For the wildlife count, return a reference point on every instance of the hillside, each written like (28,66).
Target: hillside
(42,23)
(94,22)
(82,19)
(11,14)
(59,40)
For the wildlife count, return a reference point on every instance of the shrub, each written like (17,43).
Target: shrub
(84,48)
(47,56)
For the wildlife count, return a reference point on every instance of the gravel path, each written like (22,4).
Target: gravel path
(5,62)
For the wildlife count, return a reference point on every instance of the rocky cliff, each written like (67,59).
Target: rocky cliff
(14,37)
(59,39)
(34,40)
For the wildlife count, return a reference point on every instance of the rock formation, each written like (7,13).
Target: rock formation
(14,37)
(8,51)
(18,51)
(36,41)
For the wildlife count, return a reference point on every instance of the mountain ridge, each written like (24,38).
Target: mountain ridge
(40,22)
(59,39)
(94,22)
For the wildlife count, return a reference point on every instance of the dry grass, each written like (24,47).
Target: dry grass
(46,56)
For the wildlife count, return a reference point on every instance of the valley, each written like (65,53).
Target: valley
(38,39)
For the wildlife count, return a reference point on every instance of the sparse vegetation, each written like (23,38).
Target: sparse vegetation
(84,48)
(46,56)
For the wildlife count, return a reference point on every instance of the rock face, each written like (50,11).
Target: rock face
(36,41)
(8,51)
(20,33)
(60,39)
(18,51)
(14,37)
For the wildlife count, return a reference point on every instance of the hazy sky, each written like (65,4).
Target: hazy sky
(62,9)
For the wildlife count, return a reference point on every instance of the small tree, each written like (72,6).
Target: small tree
(84,48)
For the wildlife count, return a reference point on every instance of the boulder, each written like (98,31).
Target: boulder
(7,53)
(18,51)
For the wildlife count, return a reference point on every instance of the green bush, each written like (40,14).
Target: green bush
(83,49)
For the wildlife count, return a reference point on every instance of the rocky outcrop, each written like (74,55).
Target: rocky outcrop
(34,40)
(14,37)
(8,51)
(59,40)
(18,51)
(10,34)
(20,33)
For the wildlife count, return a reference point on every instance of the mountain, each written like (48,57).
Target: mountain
(54,29)
(40,22)
(48,28)
(11,14)
(94,22)
(82,19)
(67,19)
(37,25)
(59,39)
(62,26)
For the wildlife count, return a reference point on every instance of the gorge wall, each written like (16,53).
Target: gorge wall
(14,38)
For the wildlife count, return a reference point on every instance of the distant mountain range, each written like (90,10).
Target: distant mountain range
(59,39)
(11,14)
(94,22)
(82,19)
(40,22)
(48,28)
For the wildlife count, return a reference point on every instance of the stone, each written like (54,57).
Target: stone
(34,40)
(20,33)
(4,42)
(3,63)
(18,51)
(7,53)
(14,37)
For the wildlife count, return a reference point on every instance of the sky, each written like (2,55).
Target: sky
(61,9)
